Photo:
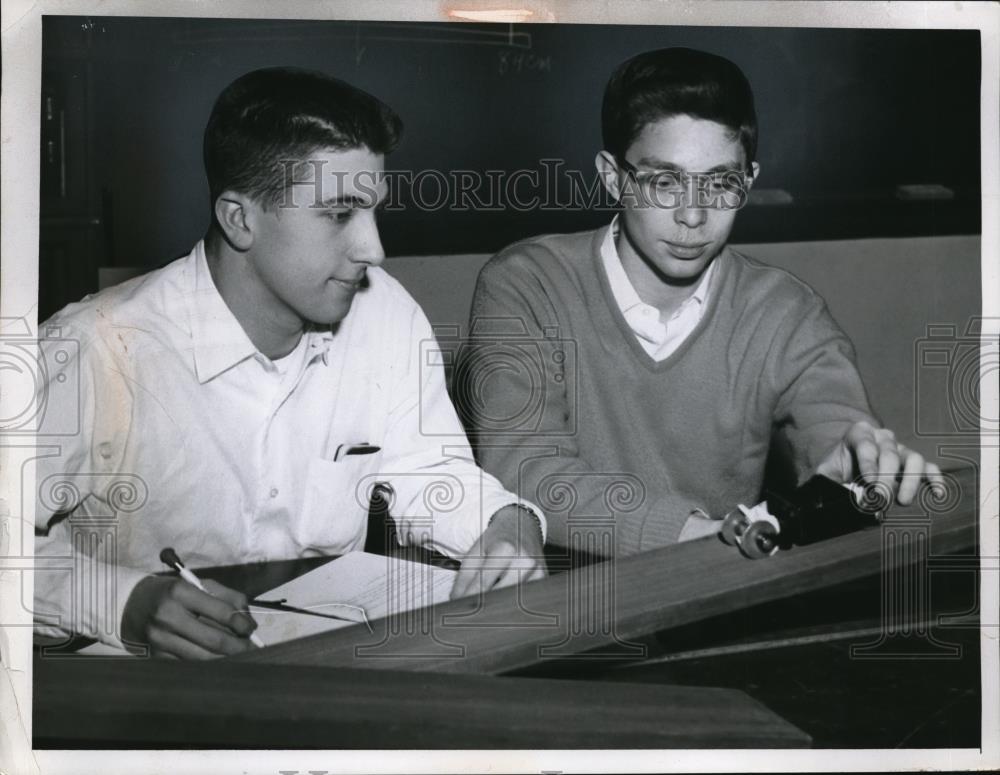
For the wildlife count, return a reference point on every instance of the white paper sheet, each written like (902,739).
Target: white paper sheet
(374,583)
(377,584)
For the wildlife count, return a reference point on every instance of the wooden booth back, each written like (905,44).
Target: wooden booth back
(895,298)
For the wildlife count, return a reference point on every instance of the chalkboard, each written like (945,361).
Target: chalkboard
(847,118)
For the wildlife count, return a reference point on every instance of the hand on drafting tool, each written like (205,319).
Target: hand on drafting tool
(509,550)
(175,619)
(876,456)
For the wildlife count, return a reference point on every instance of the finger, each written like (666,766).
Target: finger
(467,574)
(936,482)
(524,573)
(856,453)
(236,599)
(242,623)
(221,610)
(164,643)
(240,619)
(888,462)
(860,429)
(492,571)
(467,578)
(508,577)
(214,624)
(913,470)
(211,637)
(174,617)
(866,455)
(539,572)
(458,589)
(933,474)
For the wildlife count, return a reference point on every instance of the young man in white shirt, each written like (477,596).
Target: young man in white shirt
(689,357)
(239,404)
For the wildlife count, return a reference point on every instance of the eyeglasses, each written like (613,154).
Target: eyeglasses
(725,190)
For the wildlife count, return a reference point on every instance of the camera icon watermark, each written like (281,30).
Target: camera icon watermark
(906,626)
(41,381)
(506,381)
(950,369)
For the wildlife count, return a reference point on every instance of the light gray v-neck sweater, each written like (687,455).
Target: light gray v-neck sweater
(568,410)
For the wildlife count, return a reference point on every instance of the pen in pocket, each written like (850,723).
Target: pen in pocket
(364,448)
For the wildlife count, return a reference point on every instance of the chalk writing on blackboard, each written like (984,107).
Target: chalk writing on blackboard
(512,62)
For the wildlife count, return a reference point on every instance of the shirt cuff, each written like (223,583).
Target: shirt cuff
(80,605)
(527,506)
(456,532)
(127,580)
(697,525)
(660,526)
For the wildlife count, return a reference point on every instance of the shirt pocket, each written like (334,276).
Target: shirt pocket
(335,505)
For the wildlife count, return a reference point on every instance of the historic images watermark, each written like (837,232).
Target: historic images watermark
(551,186)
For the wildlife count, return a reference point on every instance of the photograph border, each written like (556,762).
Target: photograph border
(20,130)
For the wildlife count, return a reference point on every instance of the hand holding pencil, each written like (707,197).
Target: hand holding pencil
(177,618)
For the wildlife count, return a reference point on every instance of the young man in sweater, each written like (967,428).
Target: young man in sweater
(688,355)
(218,395)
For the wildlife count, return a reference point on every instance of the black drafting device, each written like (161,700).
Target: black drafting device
(815,511)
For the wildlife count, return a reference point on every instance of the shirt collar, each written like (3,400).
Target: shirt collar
(320,339)
(218,338)
(622,288)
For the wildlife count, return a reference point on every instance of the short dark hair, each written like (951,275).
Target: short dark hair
(677,81)
(269,116)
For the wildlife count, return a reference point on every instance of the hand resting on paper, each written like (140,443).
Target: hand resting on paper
(509,550)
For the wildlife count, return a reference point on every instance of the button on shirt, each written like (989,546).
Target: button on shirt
(193,439)
(657,338)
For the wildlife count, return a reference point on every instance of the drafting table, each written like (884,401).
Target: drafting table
(514,669)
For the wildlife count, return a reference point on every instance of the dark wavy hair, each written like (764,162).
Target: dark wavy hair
(677,81)
(269,116)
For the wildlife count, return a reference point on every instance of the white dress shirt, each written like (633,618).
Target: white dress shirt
(190,438)
(657,338)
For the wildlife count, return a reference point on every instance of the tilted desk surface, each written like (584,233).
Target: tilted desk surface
(604,606)
(666,592)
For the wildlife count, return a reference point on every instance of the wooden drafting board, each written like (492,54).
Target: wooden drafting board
(423,693)
(602,608)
